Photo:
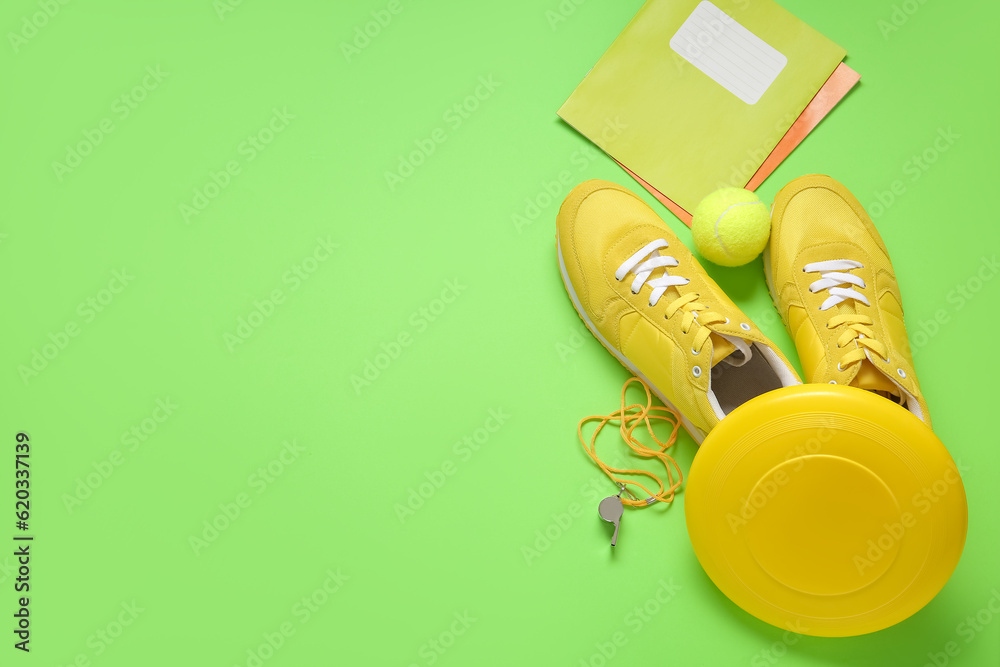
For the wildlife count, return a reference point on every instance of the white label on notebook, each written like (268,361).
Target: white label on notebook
(735,58)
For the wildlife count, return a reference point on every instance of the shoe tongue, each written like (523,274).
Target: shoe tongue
(870,378)
(724,346)
(721,348)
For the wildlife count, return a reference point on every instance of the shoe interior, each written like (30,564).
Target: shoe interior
(735,385)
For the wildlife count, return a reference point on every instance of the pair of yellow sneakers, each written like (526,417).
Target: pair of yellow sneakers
(646,298)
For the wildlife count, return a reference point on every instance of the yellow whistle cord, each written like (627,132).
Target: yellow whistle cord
(628,418)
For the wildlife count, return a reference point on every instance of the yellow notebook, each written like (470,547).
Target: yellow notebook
(704,91)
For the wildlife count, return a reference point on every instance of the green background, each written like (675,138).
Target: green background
(117,518)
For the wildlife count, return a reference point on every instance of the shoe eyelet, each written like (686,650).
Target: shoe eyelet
(696,371)
(901,372)
(727,321)
(833,382)
(839,367)
(695,352)
(744,326)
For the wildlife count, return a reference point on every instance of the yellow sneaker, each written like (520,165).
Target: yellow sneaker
(648,301)
(831,279)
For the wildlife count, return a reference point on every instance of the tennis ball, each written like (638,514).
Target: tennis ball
(731,226)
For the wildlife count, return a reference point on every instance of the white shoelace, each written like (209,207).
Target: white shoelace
(831,277)
(645,269)
(642,271)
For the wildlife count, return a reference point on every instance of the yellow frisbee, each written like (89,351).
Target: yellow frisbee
(826,510)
